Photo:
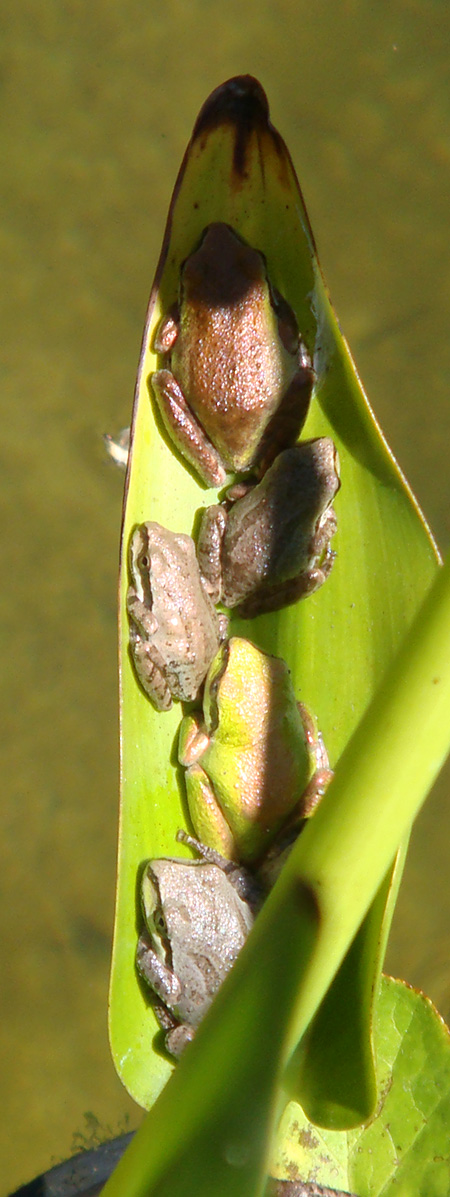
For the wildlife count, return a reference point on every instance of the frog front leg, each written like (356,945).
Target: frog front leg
(184,430)
(207,819)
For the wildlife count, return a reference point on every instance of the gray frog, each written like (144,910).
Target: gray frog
(175,630)
(197,915)
(237,380)
(271,547)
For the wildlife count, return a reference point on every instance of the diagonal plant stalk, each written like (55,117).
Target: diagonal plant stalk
(210,1129)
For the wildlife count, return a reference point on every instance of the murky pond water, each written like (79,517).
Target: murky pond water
(98,103)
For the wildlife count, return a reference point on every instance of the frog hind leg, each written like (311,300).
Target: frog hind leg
(184,430)
(153,970)
(290,590)
(283,594)
(178,1038)
(209,549)
(147,664)
(209,823)
(286,424)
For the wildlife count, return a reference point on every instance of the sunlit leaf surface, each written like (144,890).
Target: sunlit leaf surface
(337,643)
(405,1150)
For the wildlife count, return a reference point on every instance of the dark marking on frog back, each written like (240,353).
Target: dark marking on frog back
(214,282)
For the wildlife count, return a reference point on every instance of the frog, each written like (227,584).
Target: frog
(197,915)
(236,380)
(254,757)
(175,630)
(268,545)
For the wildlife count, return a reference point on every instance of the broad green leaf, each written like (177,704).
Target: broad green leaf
(405,1150)
(210,1130)
(338,642)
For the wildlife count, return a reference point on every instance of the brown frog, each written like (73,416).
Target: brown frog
(237,379)
(272,546)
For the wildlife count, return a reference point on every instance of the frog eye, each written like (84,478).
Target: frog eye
(159,923)
(144,561)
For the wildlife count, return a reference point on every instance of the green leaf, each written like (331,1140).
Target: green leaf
(405,1150)
(211,1128)
(339,642)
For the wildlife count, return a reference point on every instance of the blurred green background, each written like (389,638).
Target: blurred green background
(99,98)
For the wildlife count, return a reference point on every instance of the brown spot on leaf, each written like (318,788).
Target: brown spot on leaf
(308,1140)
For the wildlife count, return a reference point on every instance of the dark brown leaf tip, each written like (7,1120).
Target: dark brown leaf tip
(241,99)
(240,102)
